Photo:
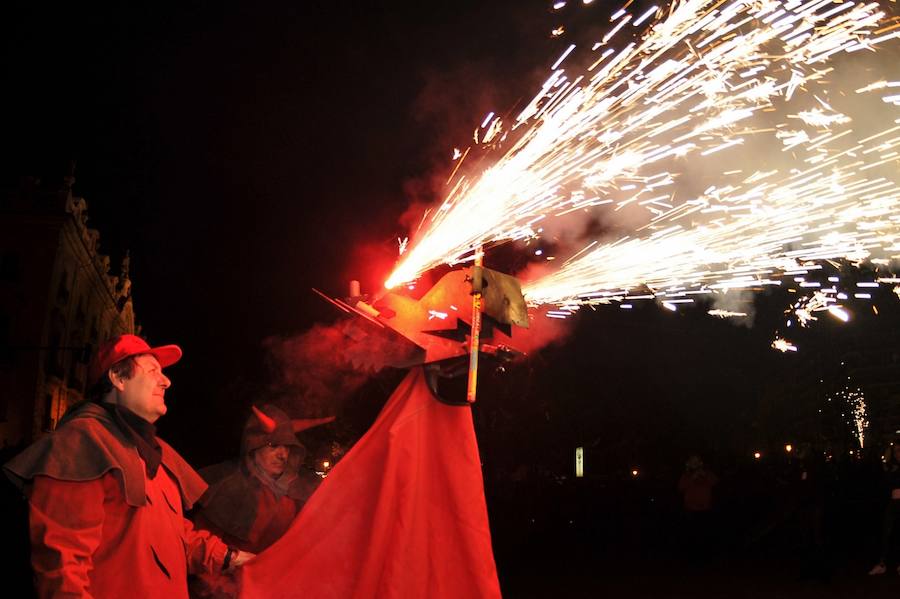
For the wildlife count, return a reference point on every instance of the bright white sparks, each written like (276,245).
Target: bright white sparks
(783,345)
(708,84)
(563,57)
(839,313)
(854,401)
(725,313)
(641,19)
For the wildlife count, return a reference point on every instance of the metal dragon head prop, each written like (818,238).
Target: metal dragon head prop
(396,330)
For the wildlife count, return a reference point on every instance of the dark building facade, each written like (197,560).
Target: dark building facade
(57,300)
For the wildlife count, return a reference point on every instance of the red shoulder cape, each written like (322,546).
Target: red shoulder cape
(88,444)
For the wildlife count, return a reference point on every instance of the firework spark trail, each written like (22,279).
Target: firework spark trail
(693,84)
(819,214)
(853,400)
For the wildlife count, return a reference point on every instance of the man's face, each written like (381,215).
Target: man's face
(144,393)
(272,459)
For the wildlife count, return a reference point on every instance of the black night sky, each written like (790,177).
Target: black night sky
(245,155)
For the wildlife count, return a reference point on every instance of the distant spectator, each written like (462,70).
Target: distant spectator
(696,486)
(809,484)
(892,510)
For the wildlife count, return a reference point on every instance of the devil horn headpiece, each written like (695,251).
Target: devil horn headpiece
(267,422)
(301,424)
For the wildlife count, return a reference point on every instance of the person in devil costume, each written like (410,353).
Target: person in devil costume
(106,496)
(251,502)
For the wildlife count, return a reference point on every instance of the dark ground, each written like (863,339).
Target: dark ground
(593,538)
(630,539)
(731,578)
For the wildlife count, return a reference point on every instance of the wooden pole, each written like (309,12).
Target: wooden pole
(474,343)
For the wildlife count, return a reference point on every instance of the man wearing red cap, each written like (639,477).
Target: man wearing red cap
(106,496)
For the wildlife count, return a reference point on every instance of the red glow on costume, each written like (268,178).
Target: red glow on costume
(402,515)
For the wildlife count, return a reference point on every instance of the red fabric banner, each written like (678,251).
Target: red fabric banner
(402,515)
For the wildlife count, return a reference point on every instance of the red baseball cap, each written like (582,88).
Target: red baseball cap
(124,346)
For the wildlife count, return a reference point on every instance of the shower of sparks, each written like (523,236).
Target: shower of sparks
(825,298)
(783,345)
(742,88)
(805,308)
(725,313)
(832,295)
(858,420)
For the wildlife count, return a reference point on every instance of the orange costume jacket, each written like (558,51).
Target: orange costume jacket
(99,526)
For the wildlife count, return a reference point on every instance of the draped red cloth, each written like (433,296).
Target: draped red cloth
(402,515)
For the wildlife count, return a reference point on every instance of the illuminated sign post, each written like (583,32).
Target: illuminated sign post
(579,462)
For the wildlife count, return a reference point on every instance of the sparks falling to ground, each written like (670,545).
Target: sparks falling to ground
(853,401)
(743,100)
